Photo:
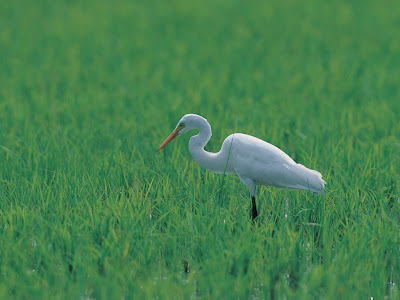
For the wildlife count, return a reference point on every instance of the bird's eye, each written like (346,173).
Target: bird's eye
(181,125)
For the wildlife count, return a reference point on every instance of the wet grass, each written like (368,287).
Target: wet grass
(90,89)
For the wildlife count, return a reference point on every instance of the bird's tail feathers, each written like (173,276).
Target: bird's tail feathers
(315,183)
(319,175)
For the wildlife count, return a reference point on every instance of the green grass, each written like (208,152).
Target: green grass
(90,89)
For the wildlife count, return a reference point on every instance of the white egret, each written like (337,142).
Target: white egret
(254,161)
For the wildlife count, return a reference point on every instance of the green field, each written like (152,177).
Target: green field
(90,89)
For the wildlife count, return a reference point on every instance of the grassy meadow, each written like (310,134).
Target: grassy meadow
(90,89)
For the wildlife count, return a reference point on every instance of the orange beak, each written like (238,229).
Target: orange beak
(173,135)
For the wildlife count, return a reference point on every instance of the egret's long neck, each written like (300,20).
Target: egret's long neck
(214,162)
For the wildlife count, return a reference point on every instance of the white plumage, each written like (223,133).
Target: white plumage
(254,161)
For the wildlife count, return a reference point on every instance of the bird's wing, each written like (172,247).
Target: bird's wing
(268,165)
(256,149)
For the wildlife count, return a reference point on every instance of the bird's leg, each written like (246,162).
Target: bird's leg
(254,213)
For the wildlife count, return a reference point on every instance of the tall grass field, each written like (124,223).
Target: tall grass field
(90,89)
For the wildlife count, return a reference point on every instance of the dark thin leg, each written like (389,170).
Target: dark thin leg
(254,213)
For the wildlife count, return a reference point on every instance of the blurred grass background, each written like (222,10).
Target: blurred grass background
(88,91)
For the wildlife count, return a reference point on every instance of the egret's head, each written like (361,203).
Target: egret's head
(188,122)
(185,124)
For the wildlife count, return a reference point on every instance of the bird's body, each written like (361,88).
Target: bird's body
(254,161)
